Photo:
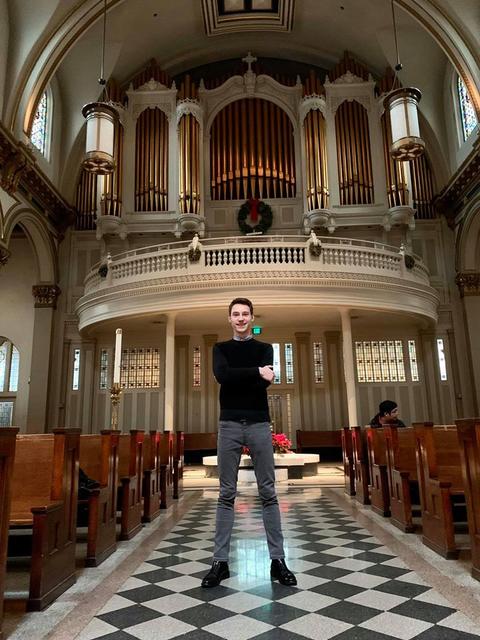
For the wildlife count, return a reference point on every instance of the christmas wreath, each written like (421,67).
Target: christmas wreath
(255,208)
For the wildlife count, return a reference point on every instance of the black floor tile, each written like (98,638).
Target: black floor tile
(129,616)
(349,612)
(423,611)
(275,613)
(203,614)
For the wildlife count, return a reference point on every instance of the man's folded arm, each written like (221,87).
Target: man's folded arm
(224,373)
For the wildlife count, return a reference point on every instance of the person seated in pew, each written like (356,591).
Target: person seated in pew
(387,415)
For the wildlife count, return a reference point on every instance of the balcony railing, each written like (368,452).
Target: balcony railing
(251,253)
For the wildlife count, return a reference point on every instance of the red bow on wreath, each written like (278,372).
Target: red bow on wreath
(253,204)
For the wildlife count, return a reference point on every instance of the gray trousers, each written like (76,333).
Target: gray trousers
(232,437)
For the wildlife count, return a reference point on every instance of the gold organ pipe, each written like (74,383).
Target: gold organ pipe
(251,148)
(368,152)
(273,150)
(348,155)
(291,141)
(260,148)
(316,155)
(188,164)
(244,138)
(361,127)
(267,148)
(309,152)
(326,199)
(213,181)
(230,151)
(238,172)
(286,154)
(219,159)
(359,150)
(181,172)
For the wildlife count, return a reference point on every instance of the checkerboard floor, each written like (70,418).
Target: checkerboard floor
(350,587)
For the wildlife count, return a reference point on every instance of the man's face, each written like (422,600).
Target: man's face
(392,416)
(240,318)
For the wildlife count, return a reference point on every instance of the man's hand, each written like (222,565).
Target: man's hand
(267,372)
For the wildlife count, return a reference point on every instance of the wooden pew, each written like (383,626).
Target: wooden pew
(44,499)
(151,476)
(377,471)
(7,455)
(441,485)
(360,465)
(347,455)
(166,467)
(468,432)
(178,455)
(317,441)
(402,476)
(130,473)
(99,460)
(199,444)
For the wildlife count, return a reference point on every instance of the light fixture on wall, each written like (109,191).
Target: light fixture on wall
(101,118)
(402,105)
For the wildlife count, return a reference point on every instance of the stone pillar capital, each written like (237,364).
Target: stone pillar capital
(45,295)
(468,283)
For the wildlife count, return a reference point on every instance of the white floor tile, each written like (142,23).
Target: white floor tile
(316,627)
(172,603)
(460,622)
(401,627)
(377,599)
(240,602)
(308,600)
(238,628)
(159,629)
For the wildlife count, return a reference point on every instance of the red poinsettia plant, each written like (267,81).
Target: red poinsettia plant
(280,443)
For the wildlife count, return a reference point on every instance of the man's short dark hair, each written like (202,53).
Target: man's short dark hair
(387,406)
(244,301)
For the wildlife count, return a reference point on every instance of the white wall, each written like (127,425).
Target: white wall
(17,315)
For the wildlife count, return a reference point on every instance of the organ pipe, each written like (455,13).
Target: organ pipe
(151,161)
(86,201)
(189,170)
(112,183)
(354,158)
(423,189)
(397,188)
(252,152)
(316,160)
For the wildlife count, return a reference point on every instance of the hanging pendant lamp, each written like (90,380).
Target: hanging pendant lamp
(402,106)
(100,118)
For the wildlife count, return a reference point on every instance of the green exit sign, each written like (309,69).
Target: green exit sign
(256,331)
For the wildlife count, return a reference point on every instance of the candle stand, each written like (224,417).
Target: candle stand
(115,393)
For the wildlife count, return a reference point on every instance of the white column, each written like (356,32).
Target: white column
(348,367)
(169,373)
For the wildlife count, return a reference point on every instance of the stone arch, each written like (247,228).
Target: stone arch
(40,239)
(468,240)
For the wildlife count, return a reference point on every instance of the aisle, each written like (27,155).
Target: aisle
(350,586)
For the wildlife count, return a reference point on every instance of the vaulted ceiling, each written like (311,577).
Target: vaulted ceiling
(59,41)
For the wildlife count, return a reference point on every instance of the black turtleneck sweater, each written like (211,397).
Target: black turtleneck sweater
(243,391)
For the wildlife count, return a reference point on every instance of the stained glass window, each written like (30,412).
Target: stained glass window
(9,367)
(197,369)
(289,377)
(380,361)
(276,363)
(140,368)
(3,364)
(442,362)
(76,370)
(6,414)
(39,132)
(412,352)
(467,110)
(103,369)
(318,361)
(14,364)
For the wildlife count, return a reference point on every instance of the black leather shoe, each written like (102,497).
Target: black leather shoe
(279,571)
(217,573)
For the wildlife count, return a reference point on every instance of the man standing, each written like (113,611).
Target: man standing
(244,368)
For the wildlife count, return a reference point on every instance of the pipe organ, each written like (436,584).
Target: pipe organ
(321,142)
(316,161)
(151,161)
(252,152)
(354,158)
